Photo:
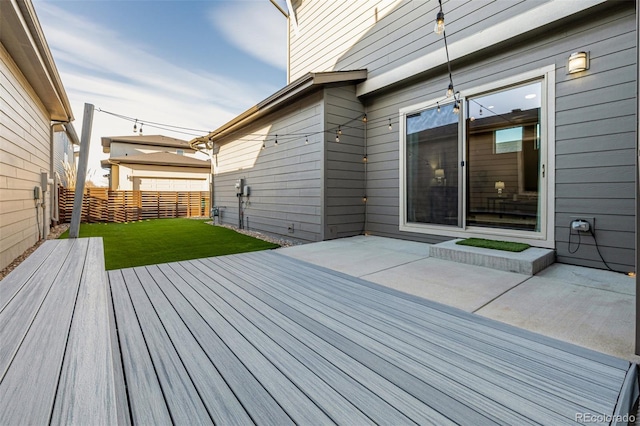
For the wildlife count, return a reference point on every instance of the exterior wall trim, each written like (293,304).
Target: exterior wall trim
(510,28)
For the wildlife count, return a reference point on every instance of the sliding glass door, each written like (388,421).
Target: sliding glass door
(432,175)
(503,158)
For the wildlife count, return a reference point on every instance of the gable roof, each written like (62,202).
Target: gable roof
(159,159)
(291,92)
(156,140)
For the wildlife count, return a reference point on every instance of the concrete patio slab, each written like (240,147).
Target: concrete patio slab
(590,277)
(592,317)
(460,285)
(360,255)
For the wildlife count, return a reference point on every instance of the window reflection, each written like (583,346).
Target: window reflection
(432,166)
(503,174)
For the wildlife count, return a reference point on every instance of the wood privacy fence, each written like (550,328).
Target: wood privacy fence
(104,205)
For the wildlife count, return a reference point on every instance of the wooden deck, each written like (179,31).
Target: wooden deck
(266,339)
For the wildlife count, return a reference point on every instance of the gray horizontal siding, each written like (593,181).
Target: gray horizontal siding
(344,170)
(594,139)
(285,180)
(382,35)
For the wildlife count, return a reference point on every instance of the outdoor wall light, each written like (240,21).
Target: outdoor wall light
(439,174)
(578,62)
(499,186)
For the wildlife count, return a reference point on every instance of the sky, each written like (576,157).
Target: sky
(189,63)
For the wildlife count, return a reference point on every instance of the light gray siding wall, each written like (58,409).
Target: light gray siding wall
(327,29)
(344,166)
(61,146)
(285,180)
(595,130)
(24,153)
(380,35)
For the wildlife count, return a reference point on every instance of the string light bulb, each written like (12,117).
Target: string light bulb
(450,90)
(438,106)
(141,128)
(337,137)
(339,130)
(390,126)
(364,118)
(135,126)
(456,107)
(364,159)
(263,145)
(276,142)
(364,199)
(439,27)
(306,140)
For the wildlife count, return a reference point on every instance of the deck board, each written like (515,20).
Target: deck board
(261,338)
(214,391)
(23,385)
(259,404)
(447,369)
(295,342)
(461,349)
(87,388)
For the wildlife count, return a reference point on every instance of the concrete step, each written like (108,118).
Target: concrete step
(529,262)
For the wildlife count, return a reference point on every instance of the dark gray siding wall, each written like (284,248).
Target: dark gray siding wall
(384,34)
(407,32)
(285,180)
(594,136)
(344,166)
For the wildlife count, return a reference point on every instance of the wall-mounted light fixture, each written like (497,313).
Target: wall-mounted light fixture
(439,175)
(499,186)
(578,62)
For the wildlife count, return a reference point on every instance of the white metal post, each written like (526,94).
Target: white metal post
(76,215)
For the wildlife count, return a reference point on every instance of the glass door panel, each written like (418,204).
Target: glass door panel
(503,158)
(432,167)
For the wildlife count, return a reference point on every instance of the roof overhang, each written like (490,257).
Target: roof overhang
(159,159)
(293,91)
(24,41)
(154,140)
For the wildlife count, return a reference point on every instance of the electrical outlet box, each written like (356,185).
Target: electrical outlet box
(583,223)
(36,192)
(239,186)
(246,191)
(580,225)
(44,181)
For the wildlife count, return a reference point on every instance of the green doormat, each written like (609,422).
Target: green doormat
(492,244)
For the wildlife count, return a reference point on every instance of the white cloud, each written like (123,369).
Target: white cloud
(259,29)
(101,67)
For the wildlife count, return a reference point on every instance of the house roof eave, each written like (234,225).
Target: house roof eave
(23,39)
(292,91)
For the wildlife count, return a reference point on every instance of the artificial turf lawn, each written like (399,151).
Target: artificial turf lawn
(166,240)
(495,245)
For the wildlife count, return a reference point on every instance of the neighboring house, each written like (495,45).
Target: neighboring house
(34,109)
(155,163)
(532,148)
(64,150)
